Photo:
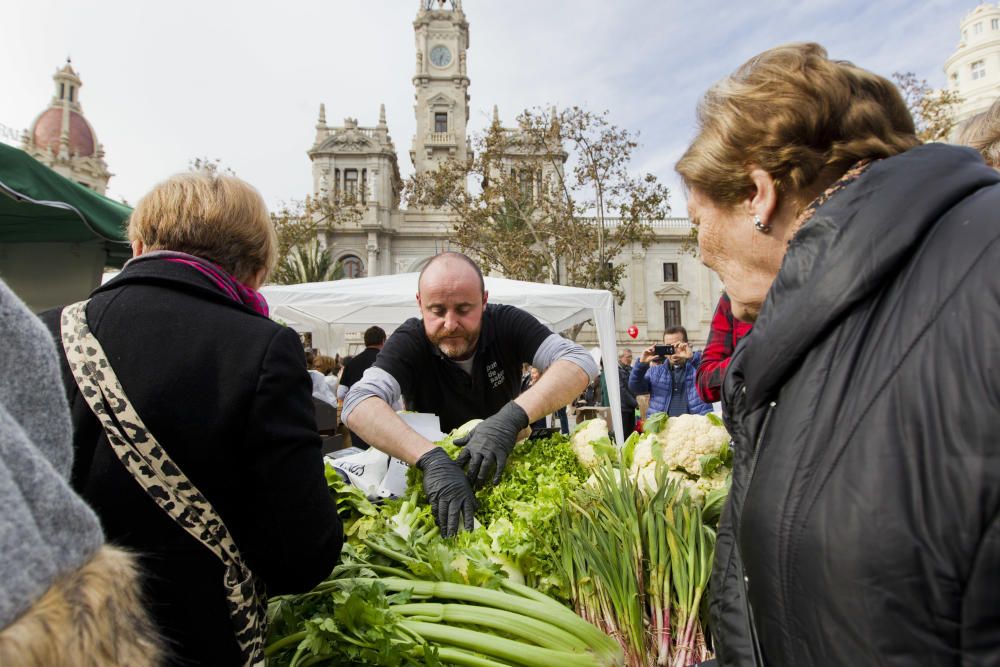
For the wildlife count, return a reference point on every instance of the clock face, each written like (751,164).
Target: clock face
(440,55)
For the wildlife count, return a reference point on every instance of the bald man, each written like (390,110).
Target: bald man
(461,361)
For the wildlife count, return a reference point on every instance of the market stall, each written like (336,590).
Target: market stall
(56,236)
(584,554)
(330,309)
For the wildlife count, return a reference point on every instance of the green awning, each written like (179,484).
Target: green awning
(41,206)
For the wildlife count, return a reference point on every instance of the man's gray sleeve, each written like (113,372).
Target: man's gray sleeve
(375,382)
(556,348)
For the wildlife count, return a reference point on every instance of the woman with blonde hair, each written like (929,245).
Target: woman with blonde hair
(863,524)
(195,434)
(982,132)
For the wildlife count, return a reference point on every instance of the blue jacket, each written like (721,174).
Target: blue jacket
(657,381)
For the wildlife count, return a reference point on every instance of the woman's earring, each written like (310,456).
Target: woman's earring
(760,226)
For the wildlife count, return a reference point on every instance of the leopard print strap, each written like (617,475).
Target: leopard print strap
(151,466)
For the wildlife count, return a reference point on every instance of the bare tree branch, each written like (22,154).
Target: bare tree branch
(556,203)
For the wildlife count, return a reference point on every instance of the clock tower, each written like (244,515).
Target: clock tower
(442,84)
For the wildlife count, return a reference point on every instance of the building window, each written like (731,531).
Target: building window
(978,70)
(525,182)
(351,183)
(352,267)
(670,272)
(440,122)
(71,93)
(671,314)
(965,35)
(977,28)
(954,79)
(994,24)
(62,91)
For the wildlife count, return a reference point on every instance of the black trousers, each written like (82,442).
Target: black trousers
(628,421)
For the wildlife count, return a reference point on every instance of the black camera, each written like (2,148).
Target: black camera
(663,350)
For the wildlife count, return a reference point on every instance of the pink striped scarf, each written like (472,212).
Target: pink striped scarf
(221,278)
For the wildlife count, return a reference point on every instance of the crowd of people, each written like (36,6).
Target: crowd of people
(161,470)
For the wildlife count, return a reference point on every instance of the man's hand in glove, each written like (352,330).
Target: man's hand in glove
(490,443)
(448,491)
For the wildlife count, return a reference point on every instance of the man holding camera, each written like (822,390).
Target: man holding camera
(670,383)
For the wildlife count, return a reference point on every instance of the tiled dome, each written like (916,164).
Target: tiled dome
(48,128)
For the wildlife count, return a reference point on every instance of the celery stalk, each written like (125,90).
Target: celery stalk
(457,656)
(530,629)
(499,647)
(575,625)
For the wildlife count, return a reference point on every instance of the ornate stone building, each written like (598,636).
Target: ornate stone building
(974,69)
(62,139)
(665,285)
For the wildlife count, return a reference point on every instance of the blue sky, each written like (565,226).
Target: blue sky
(166,82)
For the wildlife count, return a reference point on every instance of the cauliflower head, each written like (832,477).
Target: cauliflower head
(589,441)
(692,447)
(646,477)
(708,483)
(688,438)
(648,450)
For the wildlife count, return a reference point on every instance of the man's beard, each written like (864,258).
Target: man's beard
(458,347)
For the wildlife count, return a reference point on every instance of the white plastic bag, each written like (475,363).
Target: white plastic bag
(377,474)
(364,469)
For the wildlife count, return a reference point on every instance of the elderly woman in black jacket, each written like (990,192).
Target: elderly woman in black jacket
(224,391)
(863,525)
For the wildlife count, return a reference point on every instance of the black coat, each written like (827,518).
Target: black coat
(865,412)
(225,391)
(629,402)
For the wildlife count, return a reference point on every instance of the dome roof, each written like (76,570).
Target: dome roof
(48,129)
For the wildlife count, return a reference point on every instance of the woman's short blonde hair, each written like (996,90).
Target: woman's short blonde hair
(982,132)
(794,113)
(219,218)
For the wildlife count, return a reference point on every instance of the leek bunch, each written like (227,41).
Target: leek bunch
(640,565)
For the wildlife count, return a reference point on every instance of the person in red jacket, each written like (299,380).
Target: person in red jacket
(726,332)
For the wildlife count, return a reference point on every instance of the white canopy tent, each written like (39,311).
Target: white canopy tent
(329,310)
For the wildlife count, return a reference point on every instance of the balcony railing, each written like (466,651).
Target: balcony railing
(441,139)
(675,224)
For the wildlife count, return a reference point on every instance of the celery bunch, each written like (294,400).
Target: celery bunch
(397,621)
(404,596)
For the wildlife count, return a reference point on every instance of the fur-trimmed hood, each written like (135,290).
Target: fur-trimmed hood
(90,617)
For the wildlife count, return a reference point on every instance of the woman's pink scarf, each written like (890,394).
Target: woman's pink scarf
(225,282)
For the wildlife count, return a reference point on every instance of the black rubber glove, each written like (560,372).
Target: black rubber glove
(490,443)
(448,491)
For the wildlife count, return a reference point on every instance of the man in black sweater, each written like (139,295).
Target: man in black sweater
(461,361)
